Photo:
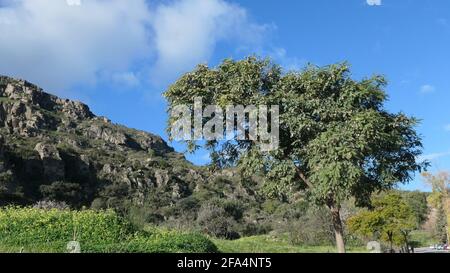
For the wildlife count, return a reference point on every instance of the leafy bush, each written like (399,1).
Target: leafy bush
(140,216)
(23,226)
(215,221)
(312,228)
(62,191)
(252,229)
(233,208)
(39,230)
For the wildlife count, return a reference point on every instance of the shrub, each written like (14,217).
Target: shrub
(39,230)
(140,216)
(62,191)
(312,228)
(252,229)
(215,221)
(22,226)
(234,209)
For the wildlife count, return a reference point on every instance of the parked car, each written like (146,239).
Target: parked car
(439,247)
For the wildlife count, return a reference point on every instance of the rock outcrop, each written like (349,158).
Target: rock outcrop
(51,161)
(57,150)
(58,144)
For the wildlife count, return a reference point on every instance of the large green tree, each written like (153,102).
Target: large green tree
(336,139)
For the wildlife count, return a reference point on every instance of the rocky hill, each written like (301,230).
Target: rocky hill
(57,149)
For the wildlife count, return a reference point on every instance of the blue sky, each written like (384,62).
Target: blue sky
(119,56)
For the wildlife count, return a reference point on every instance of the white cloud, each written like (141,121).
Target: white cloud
(186,32)
(127,79)
(73,2)
(374,2)
(427,88)
(59,43)
(56,44)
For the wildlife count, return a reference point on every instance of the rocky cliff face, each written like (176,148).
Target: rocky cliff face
(53,148)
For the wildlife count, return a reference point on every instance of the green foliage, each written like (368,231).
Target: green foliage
(62,191)
(439,199)
(9,192)
(40,230)
(335,136)
(252,229)
(141,216)
(159,241)
(336,139)
(417,201)
(29,225)
(274,244)
(440,230)
(391,220)
(423,238)
(312,228)
(215,221)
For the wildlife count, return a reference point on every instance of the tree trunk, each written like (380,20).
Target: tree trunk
(405,238)
(391,241)
(338,229)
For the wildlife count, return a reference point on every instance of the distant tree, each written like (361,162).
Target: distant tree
(391,219)
(439,199)
(440,229)
(418,202)
(336,139)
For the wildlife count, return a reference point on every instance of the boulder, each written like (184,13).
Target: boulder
(162,178)
(374,247)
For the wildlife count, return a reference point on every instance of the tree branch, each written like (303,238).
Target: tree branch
(303,177)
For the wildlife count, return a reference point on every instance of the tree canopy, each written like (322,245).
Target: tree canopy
(391,220)
(337,141)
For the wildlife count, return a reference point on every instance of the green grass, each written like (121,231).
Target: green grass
(272,244)
(423,238)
